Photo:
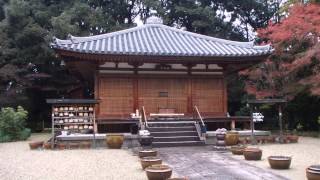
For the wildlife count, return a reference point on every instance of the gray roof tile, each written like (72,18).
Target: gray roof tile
(159,40)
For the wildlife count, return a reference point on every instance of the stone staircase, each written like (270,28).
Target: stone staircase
(171,133)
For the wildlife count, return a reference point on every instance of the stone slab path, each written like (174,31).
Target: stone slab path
(203,163)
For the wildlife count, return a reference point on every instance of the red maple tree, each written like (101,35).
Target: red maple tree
(294,65)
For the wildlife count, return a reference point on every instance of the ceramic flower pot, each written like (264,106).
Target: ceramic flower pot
(252,154)
(85,145)
(147,153)
(313,172)
(220,136)
(293,138)
(74,145)
(279,162)
(115,141)
(46,145)
(312,175)
(232,138)
(271,139)
(237,150)
(145,140)
(35,145)
(61,146)
(149,161)
(158,172)
(220,143)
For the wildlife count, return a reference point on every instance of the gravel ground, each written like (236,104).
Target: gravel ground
(18,162)
(304,153)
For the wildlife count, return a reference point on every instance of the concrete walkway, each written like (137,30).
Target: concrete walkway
(200,163)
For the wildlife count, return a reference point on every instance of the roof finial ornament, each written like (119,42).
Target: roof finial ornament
(153,19)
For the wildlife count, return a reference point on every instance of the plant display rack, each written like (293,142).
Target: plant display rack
(73,115)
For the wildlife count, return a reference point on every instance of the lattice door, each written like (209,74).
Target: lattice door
(116,96)
(207,95)
(158,94)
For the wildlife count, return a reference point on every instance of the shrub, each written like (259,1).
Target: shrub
(12,124)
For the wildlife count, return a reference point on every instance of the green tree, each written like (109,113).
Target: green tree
(29,69)
(12,124)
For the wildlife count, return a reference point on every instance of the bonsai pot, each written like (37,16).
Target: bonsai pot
(271,139)
(74,145)
(293,138)
(145,140)
(85,145)
(237,150)
(115,141)
(232,138)
(47,145)
(313,172)
(220,136)
(220,143)
(148,161)
(252,154)
(61,146)
(158,172)
(279,162)
(147,153)
(36,144)
(134,129)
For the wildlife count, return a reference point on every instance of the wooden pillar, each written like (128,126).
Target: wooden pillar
(135,93)
(225,92)
(189,103)
(135,85)
(96,96)
(189,100)
(225,96)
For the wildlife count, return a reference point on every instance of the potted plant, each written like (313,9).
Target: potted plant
(147,153)
(279,162)
(293,138)
(232,138)
(144,138)
(47,145)
(148,161)
(115,141)
(61,146)
(85,145)
(74,145)
(35,145)
(237,150)
(220,135)
(252,153)
(158,172)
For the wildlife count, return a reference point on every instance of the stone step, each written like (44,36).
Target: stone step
(174,133)
(171,119)
(177,143)
(171,124)
(176,138)
(168,129)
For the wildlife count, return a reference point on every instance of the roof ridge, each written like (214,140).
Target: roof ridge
(76,39)
(206,37)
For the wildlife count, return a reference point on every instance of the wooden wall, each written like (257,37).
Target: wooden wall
(121,95)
